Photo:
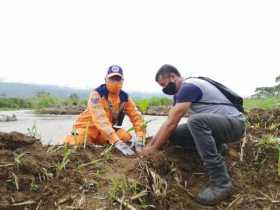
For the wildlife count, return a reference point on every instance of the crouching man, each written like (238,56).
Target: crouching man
(213,121)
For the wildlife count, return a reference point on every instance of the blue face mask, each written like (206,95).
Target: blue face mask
(170,89)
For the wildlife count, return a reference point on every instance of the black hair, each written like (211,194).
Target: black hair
(166,70)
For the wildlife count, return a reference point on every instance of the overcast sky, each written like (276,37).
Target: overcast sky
(72,43)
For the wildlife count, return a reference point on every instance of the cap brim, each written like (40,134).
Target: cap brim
(115,74)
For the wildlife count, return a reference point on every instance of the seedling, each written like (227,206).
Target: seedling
(66,158)
(273,142)
(93,162)
(123,187)
(34,187)
(34,131)
(18,159)
(145,125)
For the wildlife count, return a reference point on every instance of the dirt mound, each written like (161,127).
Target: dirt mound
(174,181)
(15,140)
(34,176)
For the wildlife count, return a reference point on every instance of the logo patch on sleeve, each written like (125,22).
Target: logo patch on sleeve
(95,99)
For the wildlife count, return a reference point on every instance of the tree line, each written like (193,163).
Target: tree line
(272,91)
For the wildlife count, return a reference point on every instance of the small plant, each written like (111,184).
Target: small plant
(34,187)
(18,159)
(122,187)
(66,158)
(145,125)
(15,181)
(34,131)
(271,141)
(107,153)
(93,162)
(259,163)
(127,192)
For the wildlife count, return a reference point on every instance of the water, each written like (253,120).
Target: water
(53,128)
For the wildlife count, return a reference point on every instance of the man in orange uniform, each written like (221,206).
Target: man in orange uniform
(101,121)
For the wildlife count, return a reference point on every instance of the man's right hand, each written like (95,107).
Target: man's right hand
(148,150)
(124,148)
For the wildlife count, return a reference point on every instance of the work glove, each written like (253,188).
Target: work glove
(124,148)
(138,143)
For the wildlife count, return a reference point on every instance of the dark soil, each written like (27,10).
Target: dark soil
(33,178)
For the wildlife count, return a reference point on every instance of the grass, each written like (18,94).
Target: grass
(34,187)
(45,100)
(18,159)
(34,131)
(274,142)
(263,103)
(93,162)
(129,193)
(66,158)
(122,187)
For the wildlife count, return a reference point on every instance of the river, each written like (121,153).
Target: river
(53,128)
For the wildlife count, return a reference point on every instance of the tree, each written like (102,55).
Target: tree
(269,91)
(264,92)
(73,99)
(44,99)
(277,79)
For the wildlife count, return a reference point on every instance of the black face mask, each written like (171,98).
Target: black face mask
(170,89)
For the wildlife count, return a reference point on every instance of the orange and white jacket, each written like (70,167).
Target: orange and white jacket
(105,110)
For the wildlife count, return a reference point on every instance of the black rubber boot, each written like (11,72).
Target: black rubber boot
(220,186)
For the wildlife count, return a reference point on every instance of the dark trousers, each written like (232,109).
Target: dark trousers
(205,133)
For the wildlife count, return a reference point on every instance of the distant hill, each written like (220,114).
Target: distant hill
(21,90)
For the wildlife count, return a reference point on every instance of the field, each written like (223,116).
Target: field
(58,177)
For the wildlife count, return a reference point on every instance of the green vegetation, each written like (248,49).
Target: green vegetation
(18,159)
(34,187)
(144,104)
(263,103)
(272,91)
(14,103)
(66,159)
(265,97)
(272,142)
(34,131)
(122,186)
(41,100)
(44,100)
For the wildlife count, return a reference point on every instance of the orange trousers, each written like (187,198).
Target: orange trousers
(91,137)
